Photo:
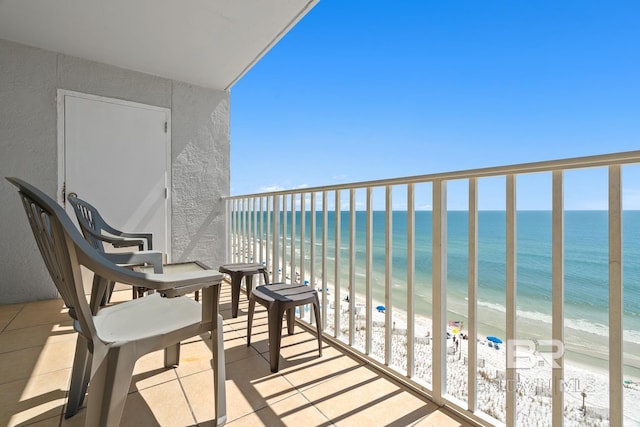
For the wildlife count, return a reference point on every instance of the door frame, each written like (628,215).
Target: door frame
(60,190)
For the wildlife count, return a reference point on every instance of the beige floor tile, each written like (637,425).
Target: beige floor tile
(200,394)
(37,398)
(49,422)
(55,355)
(150,371)
(238,324)
(40,313)
(440,419)
(235,347)
(250,386)
(296,349)
(34,336)
(160,405)
(11,308)
(293,411)
(360,396)
(316,370)
(8,313)
(195,356)
(18,365)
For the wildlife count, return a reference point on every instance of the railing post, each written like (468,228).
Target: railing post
(336,271)
(228,231)
(557,297)
(283,235)
(352,264)
(388,276)
(439,289)
(411,263)
(325,226)
(254,223)
(268,238)
(276,239)
(292,239)
(303,224)
(616,307)
(369,269)
(312,241)
(261,258)
(234,231)
(245,239)
(510,303)
(472,342)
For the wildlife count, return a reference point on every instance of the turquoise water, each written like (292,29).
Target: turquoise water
(586,272)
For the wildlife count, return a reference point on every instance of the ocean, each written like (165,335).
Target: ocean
(586,273)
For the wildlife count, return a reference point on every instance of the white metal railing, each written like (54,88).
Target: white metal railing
(305,244)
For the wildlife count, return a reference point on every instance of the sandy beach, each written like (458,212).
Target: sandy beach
(533,383)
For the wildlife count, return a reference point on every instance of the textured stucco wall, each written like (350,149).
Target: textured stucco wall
(29,79)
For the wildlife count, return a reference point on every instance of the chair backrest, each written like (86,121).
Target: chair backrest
(63,250)
(89,219)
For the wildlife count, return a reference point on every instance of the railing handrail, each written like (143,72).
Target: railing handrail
(599,160)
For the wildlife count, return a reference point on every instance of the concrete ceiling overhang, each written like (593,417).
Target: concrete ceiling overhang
(211,43)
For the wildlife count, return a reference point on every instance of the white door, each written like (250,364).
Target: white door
(116,155)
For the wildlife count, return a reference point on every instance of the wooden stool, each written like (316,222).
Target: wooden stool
(237,272)
(278,298)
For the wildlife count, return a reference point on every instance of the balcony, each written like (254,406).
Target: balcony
(407,269)
(459,287)
(36,350)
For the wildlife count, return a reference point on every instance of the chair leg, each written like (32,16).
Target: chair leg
(217,345)
(252,307)
(79,377)
(172,356)
(109,387)
(275,314)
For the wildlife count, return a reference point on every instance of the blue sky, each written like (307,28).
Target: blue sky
(372,90)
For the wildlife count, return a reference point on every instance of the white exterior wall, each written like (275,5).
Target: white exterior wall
(29,79)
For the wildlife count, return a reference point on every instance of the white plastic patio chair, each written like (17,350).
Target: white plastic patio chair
(110,342)
(96,231)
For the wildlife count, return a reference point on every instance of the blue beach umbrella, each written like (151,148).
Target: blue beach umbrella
(380,308)
(495,340)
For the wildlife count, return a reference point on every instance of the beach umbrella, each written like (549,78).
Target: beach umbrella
(495,340)
(380,308)
(455,330)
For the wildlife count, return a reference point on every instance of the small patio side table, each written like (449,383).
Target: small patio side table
(238,271)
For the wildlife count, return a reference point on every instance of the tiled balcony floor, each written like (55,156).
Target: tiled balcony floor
(36,352)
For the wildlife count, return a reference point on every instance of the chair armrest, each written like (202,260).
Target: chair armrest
(154,258)
(117,242)
(139,237)
(144,236)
